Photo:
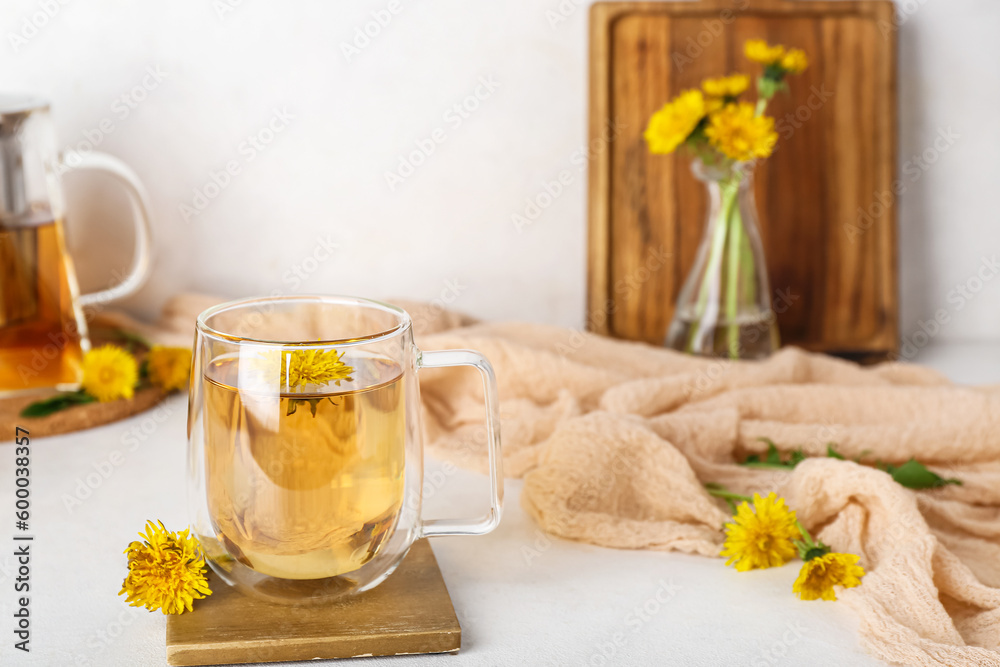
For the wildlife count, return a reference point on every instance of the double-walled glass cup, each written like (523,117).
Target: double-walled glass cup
(305,458)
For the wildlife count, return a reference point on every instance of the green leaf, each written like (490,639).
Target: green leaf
(773,456)
(915,475)
(833,453)
(313,402)
(56,403)
(294,403)
(773,460)
(912,474)
(129,339)
(771,82)
(133,340)
(136,339)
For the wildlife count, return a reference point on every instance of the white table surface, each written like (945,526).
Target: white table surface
(522,598)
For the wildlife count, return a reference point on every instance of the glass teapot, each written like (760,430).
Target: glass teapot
(43,332)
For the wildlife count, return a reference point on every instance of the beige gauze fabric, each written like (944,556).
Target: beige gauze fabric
(615,441)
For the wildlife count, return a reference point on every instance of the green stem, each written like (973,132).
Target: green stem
(714,260)
(747,272)
(728,495)
(761,465)
(806,537)
(733,283)
(761,106)
(808,547)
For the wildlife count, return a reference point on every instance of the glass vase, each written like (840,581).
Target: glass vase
(724,308)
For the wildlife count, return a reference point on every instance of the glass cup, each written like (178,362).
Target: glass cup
(305,458)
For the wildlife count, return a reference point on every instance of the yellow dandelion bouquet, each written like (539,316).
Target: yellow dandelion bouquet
(112,372)
(724,308)
(765,533)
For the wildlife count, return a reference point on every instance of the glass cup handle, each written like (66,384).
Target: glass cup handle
(489,521)
(97,161)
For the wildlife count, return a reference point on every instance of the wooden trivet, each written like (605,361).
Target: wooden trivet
(78,417)
(410,612)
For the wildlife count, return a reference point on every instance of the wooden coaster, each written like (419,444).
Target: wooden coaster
(410,612)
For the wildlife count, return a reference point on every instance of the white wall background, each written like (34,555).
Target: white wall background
(229,64)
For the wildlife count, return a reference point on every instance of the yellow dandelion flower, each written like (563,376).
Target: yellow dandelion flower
(169,367)
(713,104)
(794,61)
(740,134)
(761,537)
(166,571)
(109,373)
(820,574)
(302,367)
(670,126)
(295,369)
(760,51)
(726,86)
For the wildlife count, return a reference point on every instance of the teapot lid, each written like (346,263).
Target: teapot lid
(14,107)
(14,111)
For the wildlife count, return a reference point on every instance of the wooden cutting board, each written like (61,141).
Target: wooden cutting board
(826,199)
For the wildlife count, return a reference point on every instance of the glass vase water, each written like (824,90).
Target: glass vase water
(724,307)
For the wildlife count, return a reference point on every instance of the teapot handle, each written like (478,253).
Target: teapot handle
(97,161)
